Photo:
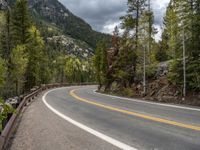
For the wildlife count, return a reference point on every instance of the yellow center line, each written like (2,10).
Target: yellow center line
(188,126)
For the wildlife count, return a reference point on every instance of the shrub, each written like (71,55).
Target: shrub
(192,74)
(5,110)
(128,92)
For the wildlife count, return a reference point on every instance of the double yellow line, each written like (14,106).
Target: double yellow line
(188,126)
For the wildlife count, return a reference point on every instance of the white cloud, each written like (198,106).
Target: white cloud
(108,28)
(159,8)
(103,15)
(159,34)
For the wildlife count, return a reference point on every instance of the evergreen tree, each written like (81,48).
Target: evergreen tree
(97,63)
(126,62)
(19,61)
(104,64)
(2,35)
(161,50)
(5,36)
(186,25)
(134,13)
(101,64)
(195,51)
(2,72)
(60,64)
(45,72)
(20,22)
(172,31)
(37,63)
(113,54)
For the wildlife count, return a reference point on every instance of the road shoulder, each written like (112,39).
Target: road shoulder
(39,128)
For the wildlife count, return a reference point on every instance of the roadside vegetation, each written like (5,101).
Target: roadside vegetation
(134,64)
(28,59)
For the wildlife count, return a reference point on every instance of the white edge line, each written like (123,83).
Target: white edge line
(153,103)
(88,129)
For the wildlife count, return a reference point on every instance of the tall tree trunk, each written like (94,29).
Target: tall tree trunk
(17,87)
(8,40)
(137,25)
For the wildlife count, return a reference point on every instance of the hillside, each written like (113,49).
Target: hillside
(52,36)
(53,13)
(56,22)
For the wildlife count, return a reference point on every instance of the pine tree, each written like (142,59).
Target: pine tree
(37,60)
(2,35)
(115,41)
(19,61)
(60,63)
(172,30)
(193,67)
(5,35)
(2,72)
(136,6)
(20,22)
(131,21)
(137,22)
(195,52)
(101,64)
(162,49)
(97,63)
(126,62)
(187,36)
(45,71)
(113,53)
(104,64)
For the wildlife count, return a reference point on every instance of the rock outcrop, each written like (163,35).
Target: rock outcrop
(72,46)
(3,4)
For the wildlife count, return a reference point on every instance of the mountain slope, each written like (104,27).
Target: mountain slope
(54,13)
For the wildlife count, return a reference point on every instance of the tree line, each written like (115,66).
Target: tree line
(133,57)
(27,60)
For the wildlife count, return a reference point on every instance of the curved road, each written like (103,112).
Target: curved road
(109,122)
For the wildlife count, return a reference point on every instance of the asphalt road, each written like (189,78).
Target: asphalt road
(118,123)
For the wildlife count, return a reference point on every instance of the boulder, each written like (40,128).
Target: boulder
(3,5)
(162,69)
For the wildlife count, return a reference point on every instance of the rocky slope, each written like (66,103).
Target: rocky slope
(159,89)
(71,46)
(3,4)
(57,22)
(54,13)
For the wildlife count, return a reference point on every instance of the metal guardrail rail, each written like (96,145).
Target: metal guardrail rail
(11,124)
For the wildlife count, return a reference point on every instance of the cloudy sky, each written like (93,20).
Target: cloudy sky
(103,15)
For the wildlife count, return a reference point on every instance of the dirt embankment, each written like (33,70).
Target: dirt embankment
(163,91)
(158,89)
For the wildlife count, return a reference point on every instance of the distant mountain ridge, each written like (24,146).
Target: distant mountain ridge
(53,13)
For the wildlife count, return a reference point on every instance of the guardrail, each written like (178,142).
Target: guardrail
(11,124)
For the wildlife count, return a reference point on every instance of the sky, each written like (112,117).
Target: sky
(103,15)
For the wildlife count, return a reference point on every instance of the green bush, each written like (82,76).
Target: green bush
(150,71)
(128,92)
(161,55)
(192,74)
(6,109)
